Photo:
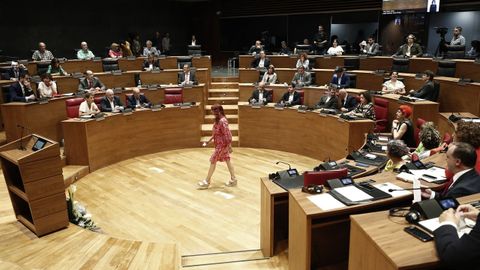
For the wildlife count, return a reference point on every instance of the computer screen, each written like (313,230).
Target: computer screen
(433,6)
(404,6)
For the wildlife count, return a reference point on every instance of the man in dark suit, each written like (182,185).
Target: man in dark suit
(21,90)
(90,83)
(428,89)
(340,78)
(461,159)
(15,71)
(261,61)
(110,103)
(454,252)
(187,77)
(328,101)
(137,100)
(410,49)
(259,95)
(346,102)
(301,77)
(291,97)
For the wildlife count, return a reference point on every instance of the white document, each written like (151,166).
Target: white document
(407,177)
(383,139)
(325,201)
(353,193)
(437,173)
(417,193)
(433,224)
(397,192)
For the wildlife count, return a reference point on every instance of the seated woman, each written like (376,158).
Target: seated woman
(393,85)
(335,49)
(151,63)
(270,76)
(429,141)
(303,61)
(402,128)
(56,69)
(47,88)
(261,61)
(396,149)
(365,107)
(115,51)
(88,106)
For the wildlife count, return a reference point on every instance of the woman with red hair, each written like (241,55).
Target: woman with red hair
(402,128)
(222,139)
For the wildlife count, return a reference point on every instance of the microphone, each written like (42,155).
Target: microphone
(402,189)
(289,167)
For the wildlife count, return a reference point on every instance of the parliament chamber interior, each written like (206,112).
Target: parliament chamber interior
(209,134)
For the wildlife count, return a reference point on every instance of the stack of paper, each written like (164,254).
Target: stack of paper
(325,201)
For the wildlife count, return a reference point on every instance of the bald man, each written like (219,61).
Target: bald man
(84,53)
(42,54)
(137,100)
(90,83)
(346,102)
(110,103)
(259,95)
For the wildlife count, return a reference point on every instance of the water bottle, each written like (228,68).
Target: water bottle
(139,84)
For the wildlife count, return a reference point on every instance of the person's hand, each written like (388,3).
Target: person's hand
(344,109)
(426,193)
(253,100)
(468,211)
(449,215)
(264,100)
(204,144)
(412,91)
(31,97)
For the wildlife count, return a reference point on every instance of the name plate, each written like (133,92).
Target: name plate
(156,108)
(43,101)
(131,58)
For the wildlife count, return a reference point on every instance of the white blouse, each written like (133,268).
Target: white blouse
(47,91)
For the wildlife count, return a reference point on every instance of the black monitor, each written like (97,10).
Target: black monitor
(301,48)
(39,144)
(404,6)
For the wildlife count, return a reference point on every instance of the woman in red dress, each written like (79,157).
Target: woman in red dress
(222,138)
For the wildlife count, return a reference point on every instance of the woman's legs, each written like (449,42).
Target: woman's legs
(231,170)
(211,170)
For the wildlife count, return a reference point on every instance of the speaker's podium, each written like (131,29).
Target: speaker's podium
(33,173)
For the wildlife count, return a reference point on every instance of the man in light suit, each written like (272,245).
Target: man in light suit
(110,103)
(370,47)
(90,83)
(301,77)
(259,95)
(137,100)
(340,78)
(328,101)
(291,97)
(461,159)
(187,77)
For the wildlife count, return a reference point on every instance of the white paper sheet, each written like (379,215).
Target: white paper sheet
(383,139)
(325,201)
(437,172)
(433,223)
(396,193)
(353,193)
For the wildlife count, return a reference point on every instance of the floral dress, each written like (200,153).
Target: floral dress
(222,138)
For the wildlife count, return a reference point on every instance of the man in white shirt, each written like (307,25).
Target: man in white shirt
(110,103)
(84,53)
(187,77)
(259,95)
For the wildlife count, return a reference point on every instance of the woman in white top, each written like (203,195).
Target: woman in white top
(47,88)
(335,49)
(393,85)
(270,76)
(303,61)
(88,106)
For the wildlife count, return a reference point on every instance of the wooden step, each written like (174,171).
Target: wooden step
(224,79)
(223,100)
(228,109)
(226,259)
(207,129)
(217,85)
(72,173)
(234,141)
(232,118)
(223,92)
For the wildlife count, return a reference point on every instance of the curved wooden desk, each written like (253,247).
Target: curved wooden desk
(445,125)
(118,137)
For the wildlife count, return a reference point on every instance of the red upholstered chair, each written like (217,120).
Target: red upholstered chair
(321,177)
(302,94)
(381,113)
(416,132)
(97,101)
(72,105)
(173,95)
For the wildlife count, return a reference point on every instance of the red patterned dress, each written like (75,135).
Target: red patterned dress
(222,138)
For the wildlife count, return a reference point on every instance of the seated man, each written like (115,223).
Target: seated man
(84,53)
(461,159)
(259,95)
(261,61)
(42,54)
(291,97)
(256,48)
(329,100)
(90,83)
(21,90)
(346,102)
(410,49)
(15,71)
(340,78)
(187,77)
(428,89)
(137,100)
(150,50)
(88,106)
(370,47)
(110,103)
(301,78)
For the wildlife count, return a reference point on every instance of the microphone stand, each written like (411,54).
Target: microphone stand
(21,147)
(289,167)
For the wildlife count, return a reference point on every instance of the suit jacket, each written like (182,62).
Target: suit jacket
(306,81)
(296,98)
(266,94)
(257,60)
(83,85)
(331,104)
(344,80)
(105,104)
(372,49)
(11,73)
(16,92)
(467,184)
(426,92)
(181,78)
(350,104)
(415,50)
(132,103)
(458,253)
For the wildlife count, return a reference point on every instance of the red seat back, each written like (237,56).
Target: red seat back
(97,100)
(302,94)
(72,105)
(416,132)
(173,95)
(381,113)
(321,177)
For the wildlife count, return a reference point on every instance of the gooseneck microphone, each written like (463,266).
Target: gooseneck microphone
(289,167)
(402,189)
(21,147)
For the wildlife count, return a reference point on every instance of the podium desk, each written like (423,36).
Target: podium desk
(118,137)
(379,242)
(318,238)
(445,125)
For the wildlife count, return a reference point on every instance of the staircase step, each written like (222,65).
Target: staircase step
(223,100)
(224,79)
(72,173)
(226,259)
(217,85)
(223,92)
(207,129)
(234,141)
(232,118)
(228,109)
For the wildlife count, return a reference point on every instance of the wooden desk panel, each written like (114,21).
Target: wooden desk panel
(376,63)
(467,69)
(75,65)
(419,65)
(329,62)
(202,62)
(131,64)
(445,125)
(141,133)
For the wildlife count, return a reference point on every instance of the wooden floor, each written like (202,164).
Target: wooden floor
(153,200)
